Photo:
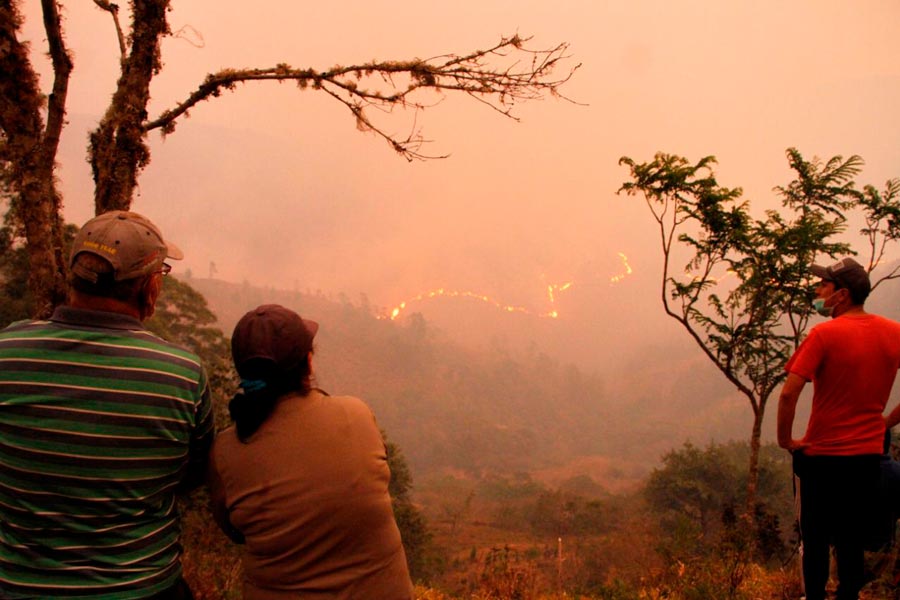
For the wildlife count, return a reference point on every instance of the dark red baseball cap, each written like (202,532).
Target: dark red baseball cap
(272,333)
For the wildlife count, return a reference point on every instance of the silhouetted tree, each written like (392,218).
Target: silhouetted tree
(743,294)
(118,150)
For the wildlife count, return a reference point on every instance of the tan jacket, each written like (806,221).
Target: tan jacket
(309,492)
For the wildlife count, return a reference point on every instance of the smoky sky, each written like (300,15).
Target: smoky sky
(276,187)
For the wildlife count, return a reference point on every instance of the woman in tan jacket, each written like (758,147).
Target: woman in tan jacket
(302,477)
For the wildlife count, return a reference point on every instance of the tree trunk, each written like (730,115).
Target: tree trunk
(118,151)
(38,204)
(753,471)
(30,154)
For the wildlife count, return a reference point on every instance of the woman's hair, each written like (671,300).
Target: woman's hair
(263,383)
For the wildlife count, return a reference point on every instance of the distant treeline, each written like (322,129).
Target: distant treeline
(494,410)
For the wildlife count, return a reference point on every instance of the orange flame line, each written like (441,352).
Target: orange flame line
(628,270)
(441,292)
(553,291)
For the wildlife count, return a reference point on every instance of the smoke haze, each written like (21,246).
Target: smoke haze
(276,187)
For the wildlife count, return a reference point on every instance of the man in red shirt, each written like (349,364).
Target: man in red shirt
(852,361)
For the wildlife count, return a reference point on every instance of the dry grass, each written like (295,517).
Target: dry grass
(212,564)
(622,566)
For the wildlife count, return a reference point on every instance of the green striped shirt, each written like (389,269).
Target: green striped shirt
(100,420)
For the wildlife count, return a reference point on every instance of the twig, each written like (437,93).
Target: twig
(113,9)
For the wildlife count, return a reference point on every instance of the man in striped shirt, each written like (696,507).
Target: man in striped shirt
(101,422)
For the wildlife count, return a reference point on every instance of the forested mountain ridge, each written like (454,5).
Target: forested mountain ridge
(498,410)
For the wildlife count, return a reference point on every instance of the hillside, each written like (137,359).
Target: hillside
(521,459)
(500,409)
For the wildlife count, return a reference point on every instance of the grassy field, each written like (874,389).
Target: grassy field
(481,561)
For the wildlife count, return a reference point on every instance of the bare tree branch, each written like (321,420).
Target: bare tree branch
(498,87)
(113,9)
(118,149)
(62,69)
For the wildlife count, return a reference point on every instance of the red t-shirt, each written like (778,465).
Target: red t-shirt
(852,361)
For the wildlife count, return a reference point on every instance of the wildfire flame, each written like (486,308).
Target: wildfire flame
(553,292)
(628,271)
(441,292)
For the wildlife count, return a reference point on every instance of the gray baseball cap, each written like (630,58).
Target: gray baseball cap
(846,273)
(128,241)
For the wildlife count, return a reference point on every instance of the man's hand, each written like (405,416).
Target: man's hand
(792,445)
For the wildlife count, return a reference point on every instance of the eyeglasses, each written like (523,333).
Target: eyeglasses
(166,269)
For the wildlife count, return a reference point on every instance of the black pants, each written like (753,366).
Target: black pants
(837,499)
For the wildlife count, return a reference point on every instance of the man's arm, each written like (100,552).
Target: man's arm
(787,406)
(200,442)
(217,503)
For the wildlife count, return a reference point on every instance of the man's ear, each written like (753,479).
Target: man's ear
(149,294)
(848,295)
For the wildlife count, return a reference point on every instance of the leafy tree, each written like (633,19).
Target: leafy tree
(420,553)
(695,491)
(566,514)
(693,485)
(182,316)
(499,76)
(743,295)
(16,299)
